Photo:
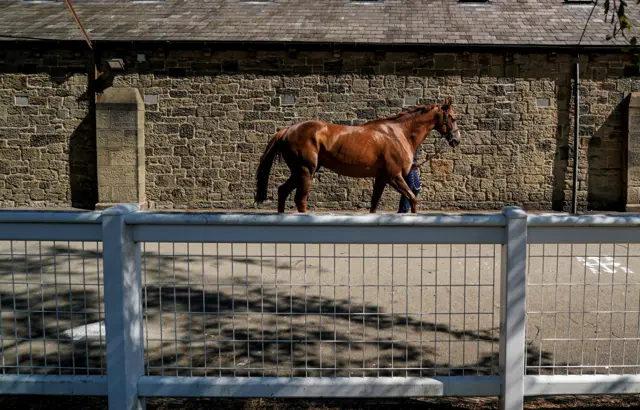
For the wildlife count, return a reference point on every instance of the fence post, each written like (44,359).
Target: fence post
(513,287)
(123,310)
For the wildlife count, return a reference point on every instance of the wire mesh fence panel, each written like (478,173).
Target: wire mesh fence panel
(51,308)
(583,309)
(254,310)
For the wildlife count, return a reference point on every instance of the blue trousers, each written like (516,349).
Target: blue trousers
(413,180)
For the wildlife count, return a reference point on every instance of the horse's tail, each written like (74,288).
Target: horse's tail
(264,167)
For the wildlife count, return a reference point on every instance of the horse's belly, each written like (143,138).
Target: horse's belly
(353,157)
(350,170)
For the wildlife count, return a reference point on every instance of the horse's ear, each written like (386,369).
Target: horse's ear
(448,102)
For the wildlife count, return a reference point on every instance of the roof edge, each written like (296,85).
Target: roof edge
(17,42)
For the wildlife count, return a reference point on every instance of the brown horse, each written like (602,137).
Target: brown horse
(382,149)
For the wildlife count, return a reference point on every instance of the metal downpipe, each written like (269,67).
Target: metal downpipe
(576,134)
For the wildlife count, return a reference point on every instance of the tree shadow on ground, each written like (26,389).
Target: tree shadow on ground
(208,331)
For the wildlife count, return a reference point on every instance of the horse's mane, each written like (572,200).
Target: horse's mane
(418,109)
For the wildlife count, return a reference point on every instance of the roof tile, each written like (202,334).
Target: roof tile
(544,22)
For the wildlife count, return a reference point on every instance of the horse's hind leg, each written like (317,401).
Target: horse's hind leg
(304,187)
(401,186)
(285,190)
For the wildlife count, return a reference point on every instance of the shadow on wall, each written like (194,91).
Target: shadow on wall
(83,178)
(83,163)
(601,185)
(605,157)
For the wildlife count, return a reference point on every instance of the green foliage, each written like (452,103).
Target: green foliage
(616,10)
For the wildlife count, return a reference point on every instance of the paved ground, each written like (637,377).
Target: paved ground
(309,310)
(427,403)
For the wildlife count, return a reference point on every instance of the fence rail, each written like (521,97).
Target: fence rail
(133,304)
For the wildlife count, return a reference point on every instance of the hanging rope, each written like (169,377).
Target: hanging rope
(75,16)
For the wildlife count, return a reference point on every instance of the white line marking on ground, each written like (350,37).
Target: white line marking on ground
(603,264)
(91,331)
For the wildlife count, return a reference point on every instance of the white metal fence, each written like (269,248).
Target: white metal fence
(135,304)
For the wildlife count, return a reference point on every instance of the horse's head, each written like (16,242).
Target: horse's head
(446,123)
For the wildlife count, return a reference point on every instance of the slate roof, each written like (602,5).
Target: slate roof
(506,22)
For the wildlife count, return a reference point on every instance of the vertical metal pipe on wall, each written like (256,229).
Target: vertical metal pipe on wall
(576,134)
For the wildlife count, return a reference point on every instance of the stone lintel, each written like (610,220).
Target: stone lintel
(115,96)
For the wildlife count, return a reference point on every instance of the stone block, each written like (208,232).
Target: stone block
(112,175)
(46,140)
(186,131)
(103,158)
(10,154)
(633,195)
(543,102)
(228,89)
(124,119)
(479,171)
(130,138)
(43,175)
(126,156)
(150,99)
(29,154)
(633,176)
(165,180)
(634,140)
(109,138)
(442,167)
(633,159)
(125,194)
(103,119)
(106,194)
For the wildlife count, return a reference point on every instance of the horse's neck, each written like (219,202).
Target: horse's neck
(417,129)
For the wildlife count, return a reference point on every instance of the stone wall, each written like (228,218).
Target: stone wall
(633,154)
(47,143)
(209,115)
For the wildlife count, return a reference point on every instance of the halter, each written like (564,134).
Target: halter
(449,132)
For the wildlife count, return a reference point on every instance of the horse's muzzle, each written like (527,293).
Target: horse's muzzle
(454,142)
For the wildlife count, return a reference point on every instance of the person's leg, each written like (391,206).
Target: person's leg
(405,204)
(416,185)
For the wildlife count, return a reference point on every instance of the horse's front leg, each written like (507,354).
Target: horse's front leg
(400,185)
(378,188)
